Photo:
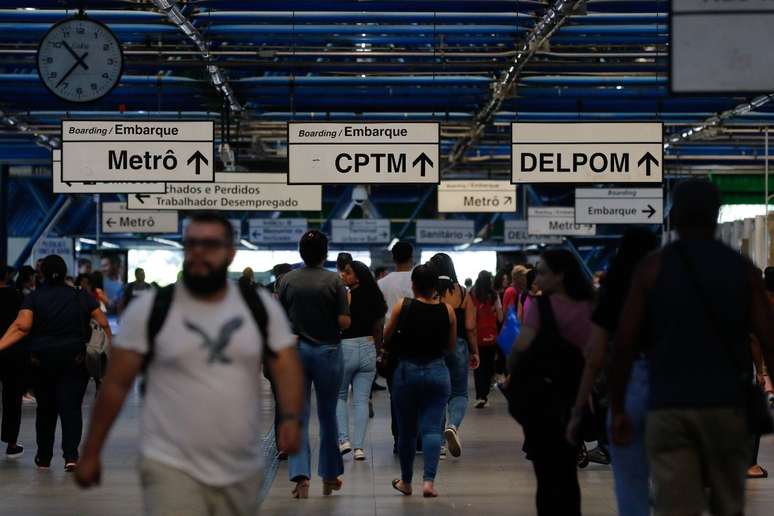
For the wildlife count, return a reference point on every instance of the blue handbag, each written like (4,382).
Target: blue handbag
(509,332)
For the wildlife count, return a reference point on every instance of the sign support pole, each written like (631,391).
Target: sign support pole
(97,220)
(766,194)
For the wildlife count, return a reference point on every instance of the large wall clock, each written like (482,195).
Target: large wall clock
(80,60)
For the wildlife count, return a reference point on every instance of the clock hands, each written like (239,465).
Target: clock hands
(79,60)
(72,69)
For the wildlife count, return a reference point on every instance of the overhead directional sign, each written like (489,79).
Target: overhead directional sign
(557,221)
(476,197)
(587,152)
(238,191)
(386,153)
(721,46)
(277,231)
(619,205)
(360,231)
(57,186)
(116,218)
(123,150)
(445,231)
(516,232)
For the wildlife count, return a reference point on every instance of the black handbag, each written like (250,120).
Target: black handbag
(387,360)
(545,378)
(759,420)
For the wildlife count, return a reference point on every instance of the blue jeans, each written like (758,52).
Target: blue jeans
(359,371)
(322,367)
(457,362)
(420,394)
(630,463)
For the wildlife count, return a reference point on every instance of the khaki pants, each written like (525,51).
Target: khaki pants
(698,461)
(168,491)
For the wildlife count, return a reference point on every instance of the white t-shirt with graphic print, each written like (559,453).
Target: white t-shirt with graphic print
(201,406)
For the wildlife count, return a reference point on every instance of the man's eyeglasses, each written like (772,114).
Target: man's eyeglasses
(208,244)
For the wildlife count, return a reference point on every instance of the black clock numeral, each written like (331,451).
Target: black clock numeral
(80,30)
(94,86)
(106,75)
(66,34)
(66,85)
(53,75)
(106,47)
(49,60)
(79,91)
(110,61)
(57,45)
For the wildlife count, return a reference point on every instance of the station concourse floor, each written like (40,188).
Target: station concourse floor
(492,478)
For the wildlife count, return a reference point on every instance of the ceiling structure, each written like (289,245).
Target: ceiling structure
(436,60)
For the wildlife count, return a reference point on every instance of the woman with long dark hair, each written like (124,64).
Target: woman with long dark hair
(465,355)
(559,319)
(489,313)
(630,463)
(55,317)
(358,346)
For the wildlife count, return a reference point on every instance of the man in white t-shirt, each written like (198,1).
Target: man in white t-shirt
(200,450)
(397,285)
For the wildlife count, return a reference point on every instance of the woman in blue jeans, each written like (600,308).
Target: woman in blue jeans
(367,308)
(419,332)
(465,352)
(630,463)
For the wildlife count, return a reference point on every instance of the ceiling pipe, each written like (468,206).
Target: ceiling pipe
(176,16)
(20,126)
(553,18)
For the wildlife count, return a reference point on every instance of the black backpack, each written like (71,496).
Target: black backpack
(163,302)
(546,377)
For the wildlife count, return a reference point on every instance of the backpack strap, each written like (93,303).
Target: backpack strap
(159,311)
(258,310)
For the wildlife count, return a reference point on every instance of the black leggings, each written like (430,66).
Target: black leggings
(13,376)
(485,372)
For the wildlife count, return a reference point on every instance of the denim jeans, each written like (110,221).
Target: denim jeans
(322,365)
(630,463)
(457,362)
(359,371)
(421,391)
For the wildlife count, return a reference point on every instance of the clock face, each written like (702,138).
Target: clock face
(80,60)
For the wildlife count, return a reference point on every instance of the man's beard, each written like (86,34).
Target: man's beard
(210,283)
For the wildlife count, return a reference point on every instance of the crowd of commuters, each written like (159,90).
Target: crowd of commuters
(622,358)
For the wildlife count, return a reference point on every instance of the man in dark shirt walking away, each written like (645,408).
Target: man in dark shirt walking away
(692,327)
(135,288)
(13,367)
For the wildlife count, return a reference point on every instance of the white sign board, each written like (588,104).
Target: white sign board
(604,152)
(722,46)
(59,187)
(117,219)
(516,232)
(557,221)
(384,153)
(619,205)
(277,231)
(476,197)
(445,231)
(234,191)
(360,231)
(59,246)
(236,224)
(124,150)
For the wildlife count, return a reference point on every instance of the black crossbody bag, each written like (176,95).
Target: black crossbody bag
(387,361)
(759,420)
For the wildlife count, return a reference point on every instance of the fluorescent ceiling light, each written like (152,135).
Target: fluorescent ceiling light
(392,244)
(166,242)
(87,241)
(110,245)
(462,247)
(478,240)
(248,245)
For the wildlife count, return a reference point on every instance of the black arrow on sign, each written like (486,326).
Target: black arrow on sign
(423,160)
(508,200)
(110,222)
(198,157)
(650,211)
(141,197)
(649,159)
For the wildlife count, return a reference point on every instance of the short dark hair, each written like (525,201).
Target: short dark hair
(342,260)
(576,284)
(114,258)
(54,269)
(213,217)
(83,261)
(313,247)
(695,205)
(402,252)
(424,278)
(281,268)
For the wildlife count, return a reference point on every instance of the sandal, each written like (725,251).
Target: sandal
(301,490)
(329,486)
(396,483)
(763,473)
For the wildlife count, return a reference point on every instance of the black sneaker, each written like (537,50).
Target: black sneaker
(599,455)
(70,465)
(378,387)
(42,465)
(14,451)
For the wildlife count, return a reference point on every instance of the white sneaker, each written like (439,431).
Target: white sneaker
(453,441)
(480,403)
(345,447)
(443,452)
(359,454)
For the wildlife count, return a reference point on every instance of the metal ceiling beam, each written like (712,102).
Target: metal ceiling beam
(175,15)
(14,123)
(553,18)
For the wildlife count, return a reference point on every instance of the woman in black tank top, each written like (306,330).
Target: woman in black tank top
(419,332)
